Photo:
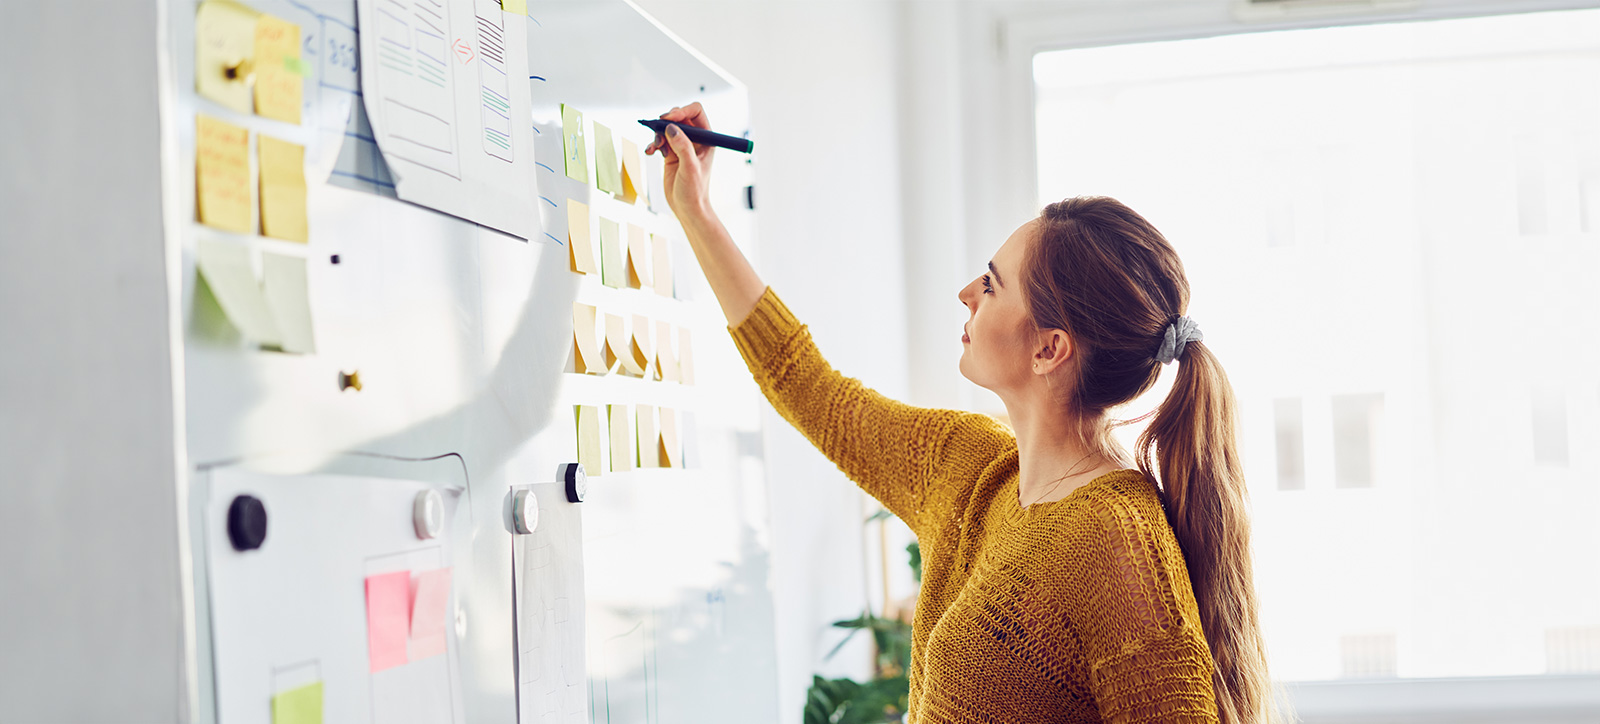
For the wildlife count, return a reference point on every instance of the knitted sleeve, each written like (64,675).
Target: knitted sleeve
(1133,609)
(892,450)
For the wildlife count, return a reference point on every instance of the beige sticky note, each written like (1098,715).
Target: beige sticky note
(666,362)
(579,245)
(685,357)
(589,439)
(638,257)
(622,451)
(641,343)
(632,170)
(283,188)
(612,273)
(587,358)
(222,175)
(224,52)
(277,62)
(572,143)
(671,449)
(607,171)
(616,343)
(662,281)
(647,437)
(228,272)
(283,282)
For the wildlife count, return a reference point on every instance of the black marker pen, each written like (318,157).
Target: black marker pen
(703,137)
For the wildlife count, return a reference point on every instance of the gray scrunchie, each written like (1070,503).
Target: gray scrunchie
(1180,332)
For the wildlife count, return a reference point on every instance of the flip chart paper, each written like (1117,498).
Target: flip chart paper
(649,447)
(277,63)
(589,438)
(222,174)
(302,705)
(641,343)
(666,364)
(580,248)
(612,273)
(388,619)
(622,451)
(520,7)
(283,189)
(586,346)
(224,51)
(632,168)
(671,448)
(662,281)
(430,601)
(572,141)
(638,257)
(228,272)
(607,174)
(283,281)
(685,357)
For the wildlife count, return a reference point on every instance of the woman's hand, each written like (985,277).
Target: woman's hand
(687,173)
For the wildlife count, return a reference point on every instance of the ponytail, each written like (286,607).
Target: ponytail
(1191,442)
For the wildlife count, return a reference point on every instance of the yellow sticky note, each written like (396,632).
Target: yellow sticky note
(572,143)
(519,7)
(612,274)
(640,347)
(671,450)
(580,248)
(666,363)
(589,438)
(632,172)
(277,59)
(638,257)
(283,188)
(606,173)
(645,433)
(663,265)
(222,174)
(298,706)
(224,52)
(622,451)
(685,357)
(585,346)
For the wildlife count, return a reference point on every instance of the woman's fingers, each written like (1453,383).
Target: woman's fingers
(692,115)
(681,146)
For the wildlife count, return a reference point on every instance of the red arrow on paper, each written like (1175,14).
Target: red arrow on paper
(464,52)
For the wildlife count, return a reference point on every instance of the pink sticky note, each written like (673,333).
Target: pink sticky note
(388,618)
(430,599)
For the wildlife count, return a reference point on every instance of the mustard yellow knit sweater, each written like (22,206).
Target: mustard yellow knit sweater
(1077,610)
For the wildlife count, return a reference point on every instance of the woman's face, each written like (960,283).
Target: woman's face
(998,340)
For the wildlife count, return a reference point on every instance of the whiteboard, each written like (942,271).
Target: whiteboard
(462,335)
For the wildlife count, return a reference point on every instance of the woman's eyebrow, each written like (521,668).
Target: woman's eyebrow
(996,273)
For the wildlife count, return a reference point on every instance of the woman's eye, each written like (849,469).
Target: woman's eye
(987,289)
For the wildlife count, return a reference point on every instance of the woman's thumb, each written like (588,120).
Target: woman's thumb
(681,145)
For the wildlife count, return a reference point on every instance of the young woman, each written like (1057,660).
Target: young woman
(1059,582)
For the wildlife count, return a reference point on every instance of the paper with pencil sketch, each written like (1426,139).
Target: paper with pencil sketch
(445,87)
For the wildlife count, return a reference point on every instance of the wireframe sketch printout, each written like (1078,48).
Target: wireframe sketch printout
(439,81)
(548,565)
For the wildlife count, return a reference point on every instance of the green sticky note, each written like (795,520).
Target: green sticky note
(607,170)
(297,66)
(612,272)
(577,159)
(298,706)
(520,7)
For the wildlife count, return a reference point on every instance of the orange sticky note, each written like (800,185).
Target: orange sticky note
(638,257)
(685,357)
(671,448)
(641,343)
(645,433)
(621,443)
(589,438)
(388,619)
(224,52)
(585,346)
(283,189)
(578,242)
(663,265)
(612,273)
(666,364)
(430,601)
(278,81)
(222,174)
(632,178)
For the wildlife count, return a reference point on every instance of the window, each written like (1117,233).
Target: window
(1549,427)
(1355,435)
(1291,446)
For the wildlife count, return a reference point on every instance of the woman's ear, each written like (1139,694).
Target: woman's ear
(1053,349)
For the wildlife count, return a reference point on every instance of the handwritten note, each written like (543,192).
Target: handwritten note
(283,189)
(224,50)
(302,705)
(586,348)
(612,272)
(430,602)
(621,442)
(222,174)
(579,246)
(638,257)
(388,619)
(278,68)
(607,175)
(572,142)
(589,438)
(632,172)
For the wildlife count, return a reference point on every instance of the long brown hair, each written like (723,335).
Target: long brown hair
(1103,274)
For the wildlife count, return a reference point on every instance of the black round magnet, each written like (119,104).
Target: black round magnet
(247,523)
(577,481)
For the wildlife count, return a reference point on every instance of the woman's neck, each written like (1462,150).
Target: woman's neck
(1054,455)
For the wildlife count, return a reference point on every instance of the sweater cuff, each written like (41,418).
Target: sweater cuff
(766,329)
